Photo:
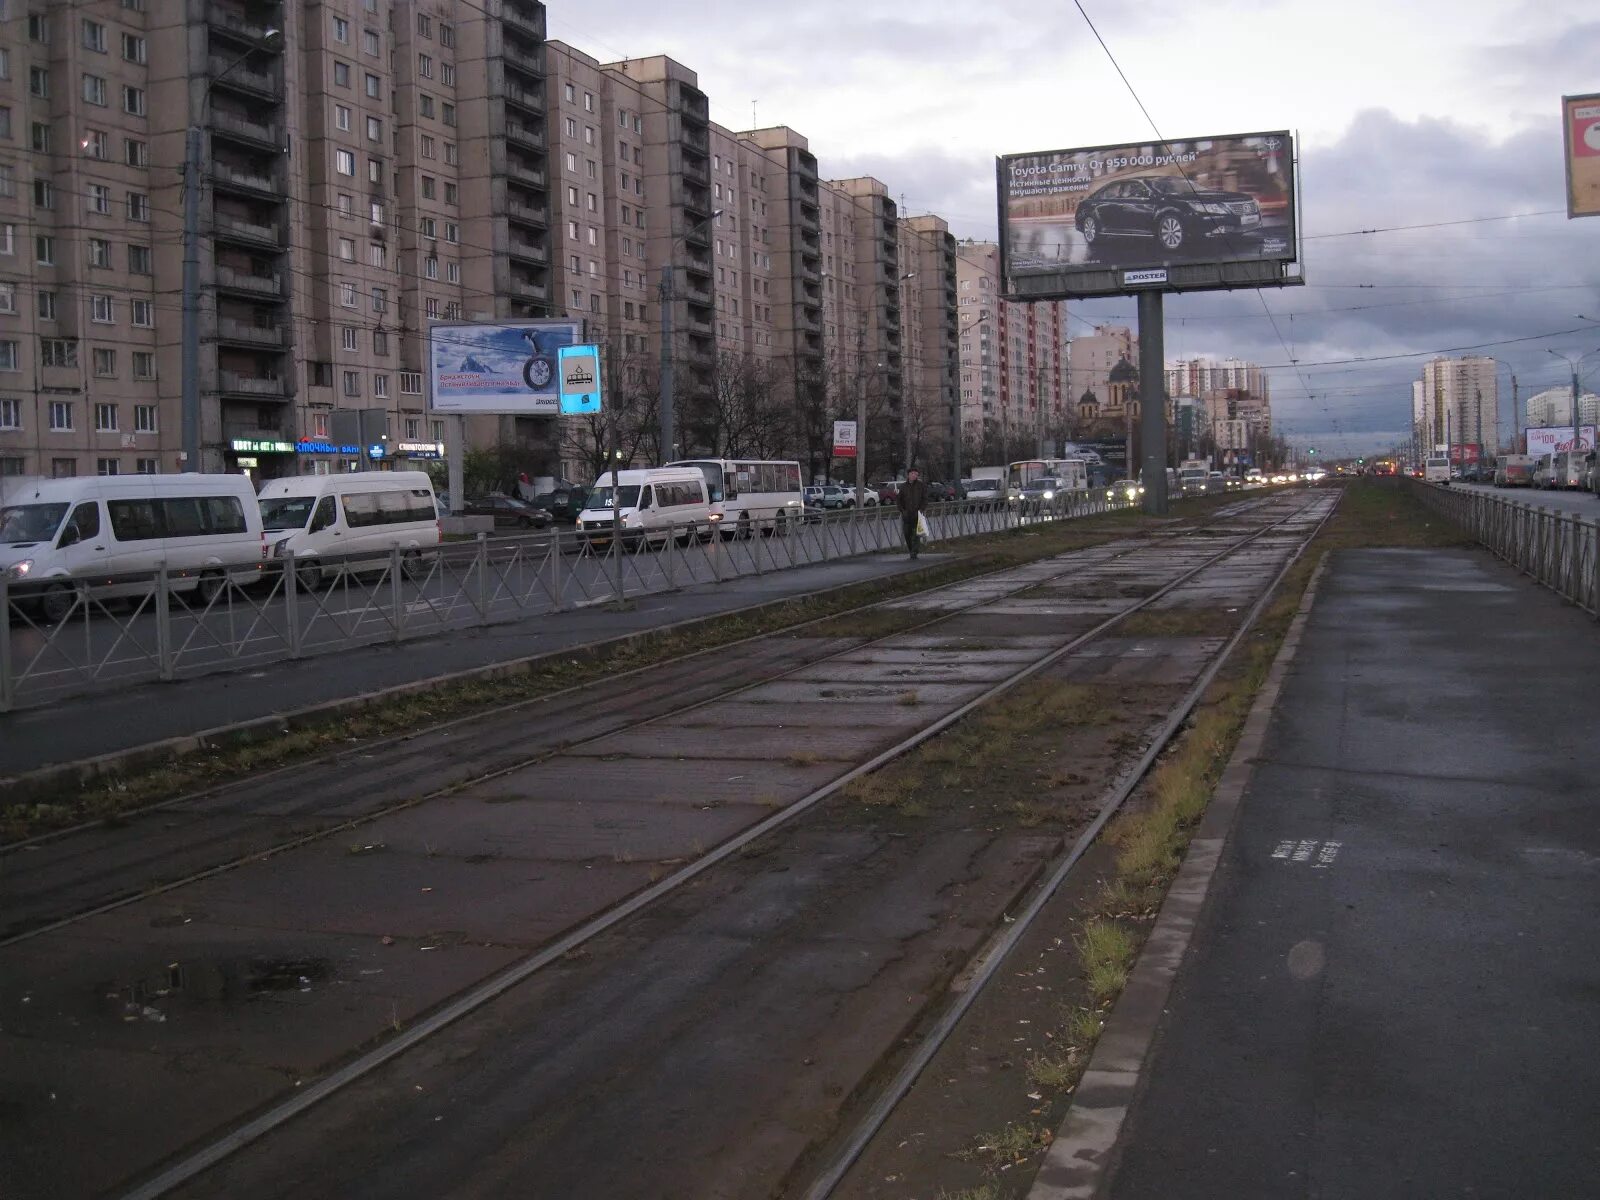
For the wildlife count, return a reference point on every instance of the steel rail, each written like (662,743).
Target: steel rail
(481,994)
(993,955)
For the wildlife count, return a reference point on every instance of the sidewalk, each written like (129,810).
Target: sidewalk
(90,726)
(1394,990)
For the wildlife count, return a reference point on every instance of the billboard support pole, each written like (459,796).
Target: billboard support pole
(1152,403)
(454,467)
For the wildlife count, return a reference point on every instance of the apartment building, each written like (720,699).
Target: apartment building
(1197,376)
(1553,406)
(1460,400)
(929,292)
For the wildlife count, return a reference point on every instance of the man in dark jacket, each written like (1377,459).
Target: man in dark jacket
(913,498)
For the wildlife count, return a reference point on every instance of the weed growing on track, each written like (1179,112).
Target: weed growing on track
(1015,1143)
(986,1192)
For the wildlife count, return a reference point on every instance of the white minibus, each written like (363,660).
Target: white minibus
(1436,469)
(651,504)
(112,533)
(749,495)
(356,520)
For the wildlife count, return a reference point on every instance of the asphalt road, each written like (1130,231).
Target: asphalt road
(1393,991)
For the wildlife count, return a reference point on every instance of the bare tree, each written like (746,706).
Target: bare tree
(744,416)
(633,401)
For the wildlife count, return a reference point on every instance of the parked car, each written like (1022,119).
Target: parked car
(982,491)
(1170,210)
(835,496)
(564,503)
(888,492)
(507,511)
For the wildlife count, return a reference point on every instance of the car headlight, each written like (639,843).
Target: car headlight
(1215,210)
(19,570)
(714,517)
(1049,495)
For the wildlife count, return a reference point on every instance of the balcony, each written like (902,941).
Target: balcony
(526,289)
(527,214)
(255,132)
(699,326)
(236,24)
(235,229)
(244,281)
(526,98)
(696,234)
(235,384)
(695,293)
(242,79)
(695,169)
(238,177)
(524,135)
(528,21)
(522,173)
(697,139)
(523,60)
(694,104)
(247,334)
(528,251)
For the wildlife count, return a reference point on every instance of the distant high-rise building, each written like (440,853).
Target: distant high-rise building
(1460,400)
(1553,406)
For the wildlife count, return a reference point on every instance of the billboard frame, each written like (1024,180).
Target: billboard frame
(526,404)
(1175,277)
(1569,152)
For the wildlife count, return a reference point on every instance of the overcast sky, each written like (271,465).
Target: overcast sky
(1408,114)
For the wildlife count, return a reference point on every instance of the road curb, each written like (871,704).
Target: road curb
(1079,1163)
(42,780)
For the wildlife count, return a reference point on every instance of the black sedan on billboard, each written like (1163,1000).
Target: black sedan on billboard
(1180,216)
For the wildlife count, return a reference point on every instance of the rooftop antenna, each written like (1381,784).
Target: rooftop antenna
(753,122)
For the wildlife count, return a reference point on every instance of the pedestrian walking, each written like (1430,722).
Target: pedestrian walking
(912,499)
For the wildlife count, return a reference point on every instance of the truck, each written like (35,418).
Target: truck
(1192,476)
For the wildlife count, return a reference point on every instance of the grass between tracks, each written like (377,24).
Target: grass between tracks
(1147,843)
(28,810)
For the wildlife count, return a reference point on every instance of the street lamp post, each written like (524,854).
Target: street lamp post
(668,299)
(1573,364)
(193,147)
(905,408)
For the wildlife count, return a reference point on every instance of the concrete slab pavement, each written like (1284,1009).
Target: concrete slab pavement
(1392,991)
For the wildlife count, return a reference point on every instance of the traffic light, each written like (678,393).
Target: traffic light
(1313,450)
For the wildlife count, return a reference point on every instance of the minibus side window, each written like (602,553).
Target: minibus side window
(646,497)
(83,525)
(323,517)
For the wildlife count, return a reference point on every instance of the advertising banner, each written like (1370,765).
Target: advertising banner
(1581,125)
(500,368)
(1137,209)
(1464,454)
(579,368)
(1555,439)
(844,439)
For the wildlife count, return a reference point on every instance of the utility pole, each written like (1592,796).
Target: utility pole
(191,298)
(1152,391)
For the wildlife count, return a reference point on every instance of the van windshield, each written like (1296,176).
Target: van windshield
(287,512)
(601,496)
(30,522)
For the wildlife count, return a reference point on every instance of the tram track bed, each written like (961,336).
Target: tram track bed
(680,1025)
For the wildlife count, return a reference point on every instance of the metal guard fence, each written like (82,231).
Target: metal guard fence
(1559,549)
(65,637)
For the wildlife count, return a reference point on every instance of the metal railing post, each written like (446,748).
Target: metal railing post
(480,564)
(667,553)
(8,695)
(164,664)
(558,583)
(291,603)
(396,599)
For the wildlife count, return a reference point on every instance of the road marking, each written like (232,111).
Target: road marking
(1320,855)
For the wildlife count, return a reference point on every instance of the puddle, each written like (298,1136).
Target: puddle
(164,990)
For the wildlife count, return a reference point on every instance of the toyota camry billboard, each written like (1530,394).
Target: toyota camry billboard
(1185,215)
(500,368)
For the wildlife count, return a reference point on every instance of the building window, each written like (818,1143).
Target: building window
(431,308)
(44,194)
(98,198)
(447,113)
(447,75)
(452,232)
(370,42)
(377,255)
(142,314)
(39,82)
(452,272)
(450,153)
(588,102)
(108,466)
(8,298)
(44,250)
(341,74)
(374,86)
(374,129)
(63,468)
(380,343)
(447,34)
(8,356)
(60,416)
(105,364)
(347,295)
(99,252)
(138,206)
(346,204)
(348,337)
(344,162)
(341,118)
(411,383)
(39,137)
(94,36)
(426,144)
(375,171)
(133,48)
(5,63)
(380,385)
(347,249)
(425,105)
(452,194)
(430,267)
(146,466)
(10,414)
(139,261)
(102,310)
(413,428)
(5,132)
(426,227)
(424,26)
(424,66)
(352,383)
(144,418)
(380,299)
(39,28)
(427,187)
(144,364)
(105,416)
(133,100)
(341,31)
(136,153)
(572,127)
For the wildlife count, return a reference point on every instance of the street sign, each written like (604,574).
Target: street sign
(844,439)
(578,368)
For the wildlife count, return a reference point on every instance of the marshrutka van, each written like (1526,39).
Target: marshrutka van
(355,520)
(650,505)
(60,538)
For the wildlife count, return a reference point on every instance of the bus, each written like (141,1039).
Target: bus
(750,494)
(1072,472)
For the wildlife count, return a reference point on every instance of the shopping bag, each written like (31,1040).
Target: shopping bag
(922,527)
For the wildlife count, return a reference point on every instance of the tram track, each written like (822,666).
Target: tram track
(461,1004)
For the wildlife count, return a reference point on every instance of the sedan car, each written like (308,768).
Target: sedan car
(563,504)
(1169,210)
(507,511)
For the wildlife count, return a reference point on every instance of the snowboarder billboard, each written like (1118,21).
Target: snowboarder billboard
(502,368)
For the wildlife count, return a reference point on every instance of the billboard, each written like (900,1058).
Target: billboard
(844,439)
(1175,216)
(1554,439)
(1580,119)
(498,368)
